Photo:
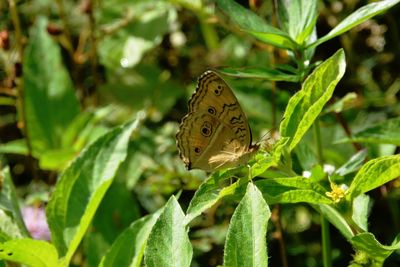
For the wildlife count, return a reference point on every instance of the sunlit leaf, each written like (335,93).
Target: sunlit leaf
(168,243)
(82,186)
(292,190)
(361,207)
(375,250)
(375,173)
(254,25)
(35,253)
(209,192)
(298,18)
(304,107)
(246,243)
(128,248)
(49,97)
(357,17)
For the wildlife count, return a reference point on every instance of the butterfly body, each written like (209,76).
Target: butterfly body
(215,133)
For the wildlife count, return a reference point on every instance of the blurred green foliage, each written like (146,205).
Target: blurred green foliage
(72,70)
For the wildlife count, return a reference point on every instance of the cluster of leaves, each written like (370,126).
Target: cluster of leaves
(100,167)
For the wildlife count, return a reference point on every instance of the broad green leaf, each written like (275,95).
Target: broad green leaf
(386,132)
(298,18)
(375,250)
(9,204)
(249,22)
(56,159)
(209,192)
(246,243)
(335,218)
(357,17)
(304,107)
(82,186)
(375,173)
(34,253)
(49,97)
(128,248)
(147,22)
(361,207)
(292,190)
(354,163)
(168,243)
(279,185)
(260,73)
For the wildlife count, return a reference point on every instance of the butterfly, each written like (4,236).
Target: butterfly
(215,134)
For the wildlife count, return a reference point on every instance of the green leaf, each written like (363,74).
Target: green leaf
(9,203)
(8,228)
(361,207)
(304,107)
(146,24)
(264,162)
(128,248)
(386,132)
(344,103)
(254,25)
(335,218)
(375,250)
(209,192)
(375,173)
(292,190)
(82,186)
(168,243)
(17,146)
(357,17)
(260,73)
(246,243)
(49,97)
(35,253)
(298,18)
(354,163)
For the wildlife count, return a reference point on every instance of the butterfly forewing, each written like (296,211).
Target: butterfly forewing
(215,133)
(215,97)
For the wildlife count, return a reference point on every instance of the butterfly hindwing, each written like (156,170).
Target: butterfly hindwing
(199,139)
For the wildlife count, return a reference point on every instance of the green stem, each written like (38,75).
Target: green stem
(326,246)
(209,34)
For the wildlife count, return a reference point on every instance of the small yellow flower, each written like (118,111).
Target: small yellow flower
(337,193)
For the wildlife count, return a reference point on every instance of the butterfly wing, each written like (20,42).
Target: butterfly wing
(206,143)
(215,133)
(216,98)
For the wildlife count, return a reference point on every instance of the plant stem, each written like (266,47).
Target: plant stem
(326,243)
(276,219)
(326,246)
(20,105)
(208,31)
